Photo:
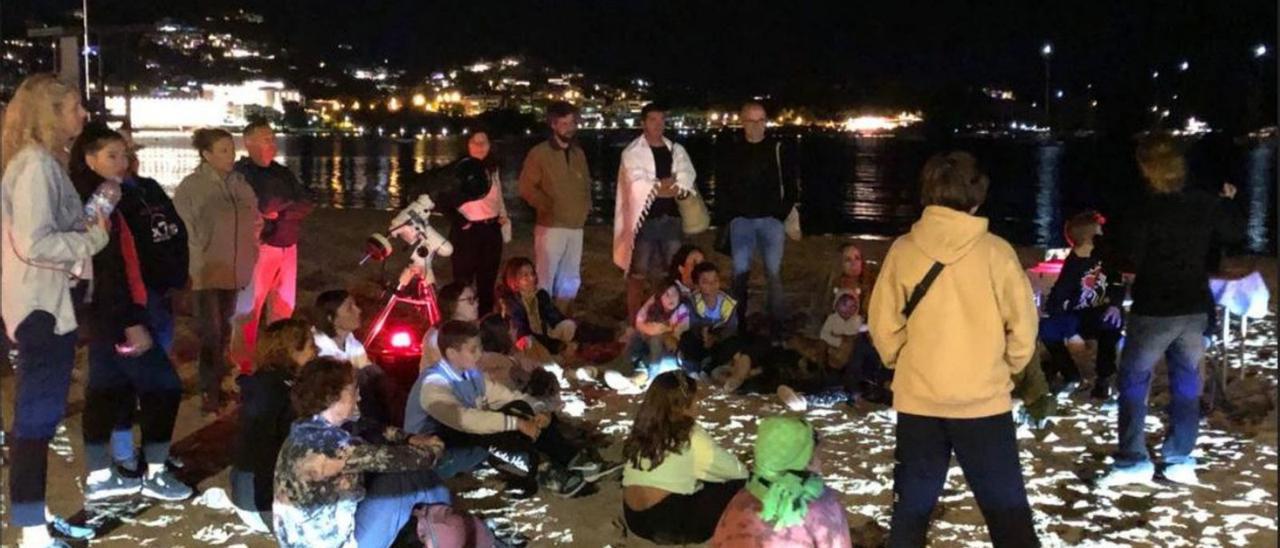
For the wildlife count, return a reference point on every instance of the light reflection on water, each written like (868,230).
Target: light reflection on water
(1034,186)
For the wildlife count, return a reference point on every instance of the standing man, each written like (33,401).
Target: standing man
(756,191)
(647,227)
(556,183)
(1168,244)
(284,203)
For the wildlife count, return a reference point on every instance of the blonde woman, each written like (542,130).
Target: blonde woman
(44,244)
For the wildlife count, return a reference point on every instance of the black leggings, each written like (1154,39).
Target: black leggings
(476,257)
(683,519)
(110,395)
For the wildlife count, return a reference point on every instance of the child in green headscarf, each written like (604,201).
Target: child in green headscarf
(785,503)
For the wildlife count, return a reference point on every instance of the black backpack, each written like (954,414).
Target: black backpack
(158,233)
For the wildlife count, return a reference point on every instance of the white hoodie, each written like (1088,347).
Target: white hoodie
(637,180)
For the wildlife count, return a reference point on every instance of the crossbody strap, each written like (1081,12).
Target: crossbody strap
(922,288)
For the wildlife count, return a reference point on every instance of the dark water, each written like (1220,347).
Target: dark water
(856,185)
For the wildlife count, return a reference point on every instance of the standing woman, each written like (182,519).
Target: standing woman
(480,223)
(221,214)
(44,245)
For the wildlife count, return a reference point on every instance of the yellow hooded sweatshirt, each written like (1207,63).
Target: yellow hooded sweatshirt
(975,327)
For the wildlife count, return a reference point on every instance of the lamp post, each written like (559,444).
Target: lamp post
(1046,52)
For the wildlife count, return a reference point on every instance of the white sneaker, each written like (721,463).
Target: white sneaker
(586,374)
(791,399)
(620,383)
(1183,472)
(1138,473)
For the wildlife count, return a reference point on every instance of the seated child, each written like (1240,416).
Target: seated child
(682,265)
(851,366)
(1085,301)
(659,325)
(323,471)
(677,479)
(265,416)
(455,401)
(337,319)
(456,301)
(531,310)
(850,276)
(785,503)
(502,363)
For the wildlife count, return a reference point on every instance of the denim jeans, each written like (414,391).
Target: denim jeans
(45,360)
(1180,340)
(160,314)
(388,504)
(987,451)
(1057,328)
(766,235)
(557,257)
(657,241)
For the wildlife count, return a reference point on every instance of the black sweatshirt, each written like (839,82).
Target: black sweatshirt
(279,191)
(110,308)
(1169,244)
(751,184)
(1086,282)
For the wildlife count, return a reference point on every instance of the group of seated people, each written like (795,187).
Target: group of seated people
(330,451)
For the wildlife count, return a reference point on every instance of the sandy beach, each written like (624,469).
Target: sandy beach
(1236,504)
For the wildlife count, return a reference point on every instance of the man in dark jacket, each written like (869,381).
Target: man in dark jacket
(1168,245)
(284,203)
(755,190)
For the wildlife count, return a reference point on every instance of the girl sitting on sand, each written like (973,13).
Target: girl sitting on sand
(682,265)
(677,479)
(456,301)
(265,416)
(532,313)
(655,342)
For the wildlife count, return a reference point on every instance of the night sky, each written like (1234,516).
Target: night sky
(887,51)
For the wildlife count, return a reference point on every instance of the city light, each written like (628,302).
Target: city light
(1155,74)
(1195,126)
(1047,49)
(419,99)
(1183,66)
(1260,50)
(877,124)
(393,104)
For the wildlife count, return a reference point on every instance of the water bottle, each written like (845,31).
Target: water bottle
(103,201)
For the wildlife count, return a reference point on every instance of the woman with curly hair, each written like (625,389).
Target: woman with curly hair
(677,479)
(323,470)
(265,416)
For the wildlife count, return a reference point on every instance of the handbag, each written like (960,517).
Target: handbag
(791,226)
(694,217)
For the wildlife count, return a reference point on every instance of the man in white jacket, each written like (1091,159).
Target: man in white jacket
(647,228)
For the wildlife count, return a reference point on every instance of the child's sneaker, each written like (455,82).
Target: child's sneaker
(562,482)
(592,469)
(163,486)
(63,528)
(791,399)
(115,485)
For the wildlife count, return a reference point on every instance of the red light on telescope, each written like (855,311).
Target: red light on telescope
(401,339)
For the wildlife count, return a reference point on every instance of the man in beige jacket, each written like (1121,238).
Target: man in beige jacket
(971,327)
